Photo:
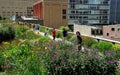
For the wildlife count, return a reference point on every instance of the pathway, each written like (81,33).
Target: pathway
(42,34)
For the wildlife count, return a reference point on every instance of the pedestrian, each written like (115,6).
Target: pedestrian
(79,39)
(33,26)
(65,34)
(54,33)
(47,32)
(37,28)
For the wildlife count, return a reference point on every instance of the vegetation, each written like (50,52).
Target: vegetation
(6,32)
(30,54)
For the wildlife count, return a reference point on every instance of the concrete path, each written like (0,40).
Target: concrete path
(42,34)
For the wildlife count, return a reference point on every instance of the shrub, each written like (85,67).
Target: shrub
(6,33)
(87,41)
(59,34)
(22,61)
(73,39)
(70,62)
(1,61)
(20,30)
(44,39)
(42,29)
(66,27)
(116,47)
(103,46)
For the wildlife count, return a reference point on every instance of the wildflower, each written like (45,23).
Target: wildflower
(46,48)
(112,61)
(5,43)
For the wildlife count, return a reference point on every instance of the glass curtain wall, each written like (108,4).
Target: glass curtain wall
(89,11)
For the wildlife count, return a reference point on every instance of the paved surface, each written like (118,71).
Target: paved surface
(42,34)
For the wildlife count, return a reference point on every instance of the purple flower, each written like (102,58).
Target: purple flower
(112,61)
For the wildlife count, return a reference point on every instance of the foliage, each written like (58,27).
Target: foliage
(6,32)
(42,29)
(87,41)
(23,61)
(60,61)
(59,34)
(103,46)
(30,54)
(66,27)
(1,61)
(116,47)
(20,30)
(73,39)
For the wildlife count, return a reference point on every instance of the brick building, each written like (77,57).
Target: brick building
(112,32)
(52,12)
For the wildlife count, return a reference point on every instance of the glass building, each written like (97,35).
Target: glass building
(115,11)
(90,12)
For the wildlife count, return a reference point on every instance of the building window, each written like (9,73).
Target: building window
(112,29)
(64,17)
(118,29)
(72,12)
(64,11)
(107,34)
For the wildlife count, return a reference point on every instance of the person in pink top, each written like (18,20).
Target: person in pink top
(54,33)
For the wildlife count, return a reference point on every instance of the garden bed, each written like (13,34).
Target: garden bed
(30,54)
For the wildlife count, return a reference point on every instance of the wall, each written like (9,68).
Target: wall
(8,8)
(38,10)
(53,16)
(109,34)
(84,29)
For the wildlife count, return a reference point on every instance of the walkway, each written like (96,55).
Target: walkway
(42,34)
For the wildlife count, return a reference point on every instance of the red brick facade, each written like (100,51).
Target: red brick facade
(38,9)
(52,12)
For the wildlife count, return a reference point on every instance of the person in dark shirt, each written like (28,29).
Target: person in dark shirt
(64,34)
(79,39)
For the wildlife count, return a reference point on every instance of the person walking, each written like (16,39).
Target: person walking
(47,32)
(79,39)
(54,33)
(65,34)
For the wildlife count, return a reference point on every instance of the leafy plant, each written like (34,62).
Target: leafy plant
(6,33)
(66,27)
(1,61)
(59,34)
(60,61)
(103,46)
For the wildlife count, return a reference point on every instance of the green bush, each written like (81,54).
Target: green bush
(59,34)
(42,29)
(73,39)
(66,27)
(1,61)
(103,46)
(20,30)
(7,32)
(44,39)
(87,41)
